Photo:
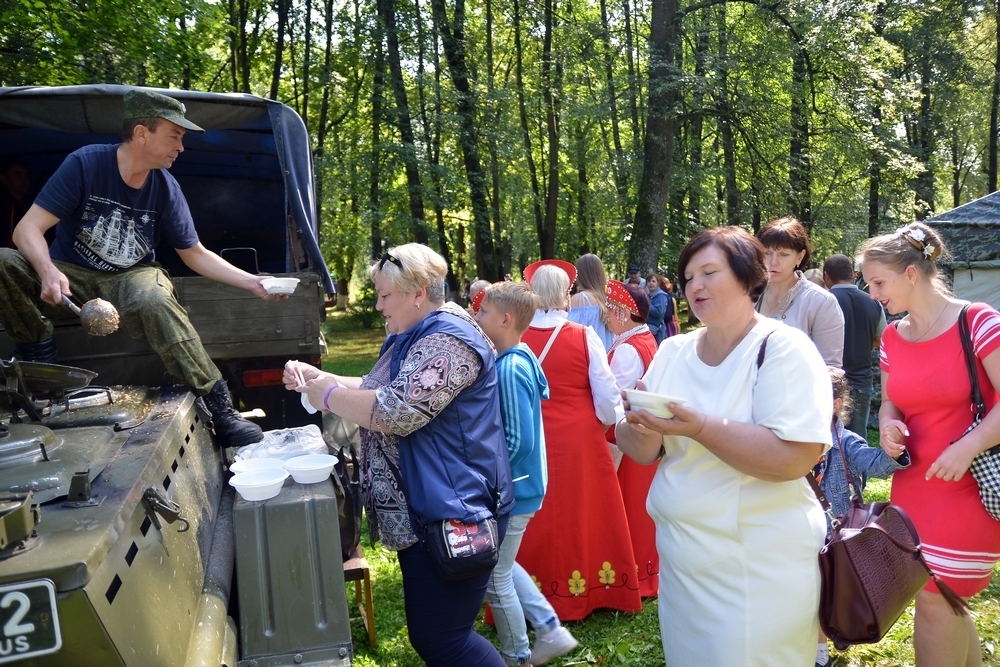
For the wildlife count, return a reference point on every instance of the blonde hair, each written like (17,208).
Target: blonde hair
(516,299)
(915,245)
(593,279)
(551,285)
(421,267)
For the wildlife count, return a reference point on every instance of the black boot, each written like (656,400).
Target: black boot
(230,427)
(44,352)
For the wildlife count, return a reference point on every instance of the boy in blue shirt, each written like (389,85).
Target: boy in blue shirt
(504,315)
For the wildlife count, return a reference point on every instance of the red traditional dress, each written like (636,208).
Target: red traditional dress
(929,384)
(577,547)
(635,479)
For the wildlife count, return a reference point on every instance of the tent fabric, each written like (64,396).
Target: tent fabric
(74,111)
(971,232)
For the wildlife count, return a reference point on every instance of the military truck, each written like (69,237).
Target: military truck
(117,539)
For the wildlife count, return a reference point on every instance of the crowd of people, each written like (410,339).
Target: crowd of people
(709,510)
(506,427)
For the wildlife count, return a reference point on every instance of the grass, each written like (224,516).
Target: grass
(606,638)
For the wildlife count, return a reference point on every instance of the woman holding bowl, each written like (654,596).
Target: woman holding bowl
(432,445)
(735,518)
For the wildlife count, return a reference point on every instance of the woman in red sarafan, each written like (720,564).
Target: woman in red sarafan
(925,409)
(577,546)
(629,357)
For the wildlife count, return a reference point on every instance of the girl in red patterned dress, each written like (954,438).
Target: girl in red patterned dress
(577,546)
(925,409)
(629,357)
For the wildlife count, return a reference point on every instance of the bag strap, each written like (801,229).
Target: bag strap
(964,332)
(548,344)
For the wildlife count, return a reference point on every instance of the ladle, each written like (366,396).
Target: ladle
(99,317)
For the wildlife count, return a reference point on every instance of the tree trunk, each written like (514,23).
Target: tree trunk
(234,45)
(799,161)
(525,131)
(281,7)
(619,163)
(661,120)
(994,104)
(924,190)
(548,239)
(374,204)
(633,86)
(324,111)
(582,189)
(432,145)
(453,40)
(495,113)
(732,191)
(696,129)
(401,116)
(306,63)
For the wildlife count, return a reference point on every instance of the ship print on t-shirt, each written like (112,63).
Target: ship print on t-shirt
(114,240)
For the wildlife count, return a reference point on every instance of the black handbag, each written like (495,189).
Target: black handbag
(463,550)
(985,467)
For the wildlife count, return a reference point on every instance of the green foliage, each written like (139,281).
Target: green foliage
(896,102)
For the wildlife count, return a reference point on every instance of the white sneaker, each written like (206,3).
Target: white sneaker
(554,644)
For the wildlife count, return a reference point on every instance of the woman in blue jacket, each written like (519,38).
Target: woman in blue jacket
(432,446)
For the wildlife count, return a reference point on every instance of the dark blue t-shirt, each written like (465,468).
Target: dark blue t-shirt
(106,225)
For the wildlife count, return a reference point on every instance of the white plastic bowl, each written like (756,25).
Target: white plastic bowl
(655,404)
(259,485)
(311,468)
(279,285)
(253,465)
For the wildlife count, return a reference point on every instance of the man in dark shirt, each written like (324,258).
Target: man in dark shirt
(864,321)
(111,205)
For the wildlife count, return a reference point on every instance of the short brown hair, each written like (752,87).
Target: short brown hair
(514,298)
(128,127)
(744,253)
(788,233)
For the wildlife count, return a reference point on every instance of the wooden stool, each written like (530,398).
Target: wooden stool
(356,570)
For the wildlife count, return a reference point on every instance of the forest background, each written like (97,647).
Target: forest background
(504,131)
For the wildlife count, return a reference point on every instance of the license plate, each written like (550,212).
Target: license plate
(29,625)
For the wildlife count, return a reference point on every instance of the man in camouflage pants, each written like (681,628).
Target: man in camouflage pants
(111,205)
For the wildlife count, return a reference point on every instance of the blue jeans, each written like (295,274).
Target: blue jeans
(513,596)
(440,614)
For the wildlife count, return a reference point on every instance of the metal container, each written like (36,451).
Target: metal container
(290,579)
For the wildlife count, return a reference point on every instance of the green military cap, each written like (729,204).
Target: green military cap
(142,103)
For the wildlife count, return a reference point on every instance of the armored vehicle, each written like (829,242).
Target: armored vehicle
(117,540)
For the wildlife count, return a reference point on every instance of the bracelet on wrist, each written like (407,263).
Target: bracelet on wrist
(326,396)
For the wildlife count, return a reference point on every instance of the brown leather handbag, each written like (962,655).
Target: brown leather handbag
(872,569)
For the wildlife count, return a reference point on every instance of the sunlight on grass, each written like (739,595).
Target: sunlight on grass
(606,638)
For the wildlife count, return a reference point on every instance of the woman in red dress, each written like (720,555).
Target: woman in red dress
(630,354)
(925,409)
(577,546)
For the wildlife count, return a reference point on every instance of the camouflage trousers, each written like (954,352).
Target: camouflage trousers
(147,307)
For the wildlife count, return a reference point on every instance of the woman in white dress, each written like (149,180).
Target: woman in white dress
(737,526)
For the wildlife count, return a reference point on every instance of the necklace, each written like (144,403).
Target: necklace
(775,312)
(928,330)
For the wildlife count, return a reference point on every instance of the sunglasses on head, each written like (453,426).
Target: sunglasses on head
(386,257)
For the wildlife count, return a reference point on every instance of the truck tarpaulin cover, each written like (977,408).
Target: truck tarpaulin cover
(261,143)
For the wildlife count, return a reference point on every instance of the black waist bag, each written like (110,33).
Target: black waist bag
(463,550)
